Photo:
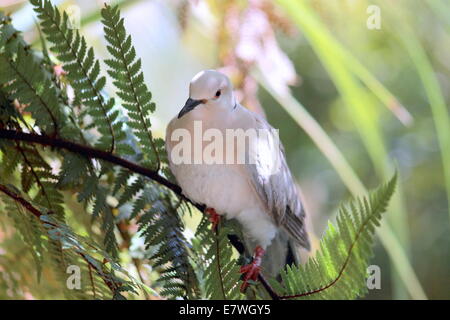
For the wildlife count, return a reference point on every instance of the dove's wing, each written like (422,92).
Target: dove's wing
(272,180)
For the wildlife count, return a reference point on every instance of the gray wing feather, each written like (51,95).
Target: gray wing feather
(278,192)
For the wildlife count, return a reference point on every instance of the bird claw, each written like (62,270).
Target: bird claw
(250,272)
(214,217)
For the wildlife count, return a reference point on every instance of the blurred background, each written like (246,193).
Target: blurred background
(357,88)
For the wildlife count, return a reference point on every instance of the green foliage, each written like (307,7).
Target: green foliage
(70,208)
(162,230)
(29,229)
(26,82)
(83,70)
(221,271)
(338,270)
(125,69)
(9,36)
(48,237)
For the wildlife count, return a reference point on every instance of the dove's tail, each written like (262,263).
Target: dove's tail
(293,254)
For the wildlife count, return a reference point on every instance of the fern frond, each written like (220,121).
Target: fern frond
(9,36)
(35,175)
(162,230)
(126,70)
(39,173)
(23,79)
(73,170)
(131,190)
(93,257)
(221,270)
(29,229)
(66,248)
(83,72)
(101,209)
(338,271)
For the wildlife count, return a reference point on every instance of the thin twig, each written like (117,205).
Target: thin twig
(93,154)
(21,200)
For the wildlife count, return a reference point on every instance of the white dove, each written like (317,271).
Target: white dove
(263,199)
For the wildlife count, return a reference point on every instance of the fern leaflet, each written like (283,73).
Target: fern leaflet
(221,271)
(25,81)
(338,271)
(83,72)
(125,69)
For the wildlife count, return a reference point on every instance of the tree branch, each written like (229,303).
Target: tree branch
(93,153)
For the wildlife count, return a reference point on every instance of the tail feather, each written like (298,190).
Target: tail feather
(295,226)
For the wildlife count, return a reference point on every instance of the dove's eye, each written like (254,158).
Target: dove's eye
(218,93)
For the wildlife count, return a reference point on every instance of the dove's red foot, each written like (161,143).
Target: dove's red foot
(214,217)
(251,271)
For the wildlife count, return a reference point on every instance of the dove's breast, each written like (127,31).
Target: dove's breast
(218,186)
(223,188)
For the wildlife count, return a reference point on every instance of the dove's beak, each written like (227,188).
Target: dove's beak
(188,106)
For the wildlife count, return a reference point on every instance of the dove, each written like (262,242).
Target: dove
(250,182)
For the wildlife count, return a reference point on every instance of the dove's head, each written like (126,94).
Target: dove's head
(209,89)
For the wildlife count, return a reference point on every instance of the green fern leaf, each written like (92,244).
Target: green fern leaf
(162,230)
(221,270)
(338,271)
(30,230)
(83,72)
(125,69)
(23,79)
(46,235)
(10,40)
